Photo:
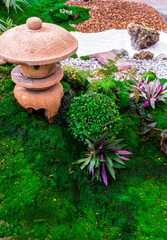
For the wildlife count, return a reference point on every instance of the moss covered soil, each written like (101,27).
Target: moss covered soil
(44,196)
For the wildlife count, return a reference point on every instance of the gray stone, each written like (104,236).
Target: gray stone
(120,52)
(161,56)
(141,37)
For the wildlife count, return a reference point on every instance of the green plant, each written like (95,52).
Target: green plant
(6,24)
(152,91)
(93,113)
(104,153)
(13,3)
(46,11)
(61,117)
(61,17)
(74,56)
(151,76)
(85,58)
(145,27)
(65,85)
(109,70)
(118,91)
(62,14)
(76,77)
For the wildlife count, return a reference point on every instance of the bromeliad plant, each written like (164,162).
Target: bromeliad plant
(104,153)
(151,91)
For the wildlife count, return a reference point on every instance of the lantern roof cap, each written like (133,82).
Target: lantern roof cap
(37,43)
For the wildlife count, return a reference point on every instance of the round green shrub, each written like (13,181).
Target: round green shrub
(92,114)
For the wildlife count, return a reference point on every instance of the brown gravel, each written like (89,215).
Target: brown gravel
(117,14)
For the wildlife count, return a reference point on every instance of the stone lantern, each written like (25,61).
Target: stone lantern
(36,47)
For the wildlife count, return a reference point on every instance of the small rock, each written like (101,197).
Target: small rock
(2,62)
(161,56)
(121,64)
(143,55)
(120,52)
(141,37)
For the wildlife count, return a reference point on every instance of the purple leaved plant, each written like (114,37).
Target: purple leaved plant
(104,155)
(152,91)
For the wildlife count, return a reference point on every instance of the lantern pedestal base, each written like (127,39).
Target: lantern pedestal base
(48,99)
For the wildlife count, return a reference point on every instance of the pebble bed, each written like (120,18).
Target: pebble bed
(91,64)
(158,66)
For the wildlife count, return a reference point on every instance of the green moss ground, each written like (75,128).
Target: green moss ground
(46,10)
(44,196)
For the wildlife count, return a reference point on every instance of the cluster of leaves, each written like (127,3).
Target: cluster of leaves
(61,117)
(104,153)
(6,24)
(53,11)
(109,70)
(151,91)
(118,91)
(92,114)
(14,4)
(85,58)
(62,13)
(75,77)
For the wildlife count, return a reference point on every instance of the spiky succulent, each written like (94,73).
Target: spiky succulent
(151,91)
(104,154)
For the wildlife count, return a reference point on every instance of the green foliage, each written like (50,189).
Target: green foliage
(75,77)
(150,75)
(6,24)
(103,153)
(74,56)
(145,27)
(44,196)
(118,91)
(109,69)
(61,13)
(49,11)
(34,157)
(85,58)
(61,17)
(13,4)
(61,117)
(65,85)
(91,114)
(150,91)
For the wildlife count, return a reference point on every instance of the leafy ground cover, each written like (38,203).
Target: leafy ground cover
(52,11)
(44,196)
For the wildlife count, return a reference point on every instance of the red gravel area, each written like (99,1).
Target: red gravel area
(117,14)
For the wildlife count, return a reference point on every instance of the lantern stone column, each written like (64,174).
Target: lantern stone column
(36,46)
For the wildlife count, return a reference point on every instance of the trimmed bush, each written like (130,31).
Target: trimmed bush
(75,77)
(92,114)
